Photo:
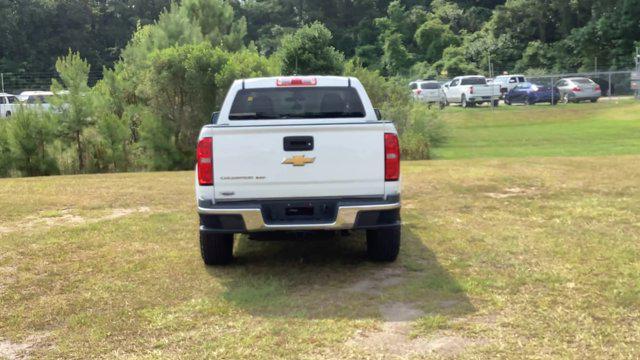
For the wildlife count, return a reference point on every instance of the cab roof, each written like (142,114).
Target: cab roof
(296,81)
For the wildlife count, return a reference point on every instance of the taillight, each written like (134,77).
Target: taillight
(470,89)
(597,87)
(576,89)
(205,161)
(418,91)
(391,157)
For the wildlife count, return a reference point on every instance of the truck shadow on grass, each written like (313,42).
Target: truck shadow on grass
(320,278)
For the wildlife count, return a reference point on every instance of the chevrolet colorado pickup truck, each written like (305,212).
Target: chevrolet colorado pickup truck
(298,154)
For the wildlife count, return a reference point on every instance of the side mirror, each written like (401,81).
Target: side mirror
(378,113)
(214,117)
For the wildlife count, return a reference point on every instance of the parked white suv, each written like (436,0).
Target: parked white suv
(298,154)
(471,90)
(429,91)
(8,104)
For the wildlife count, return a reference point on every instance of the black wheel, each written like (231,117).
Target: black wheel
(495,103)
(464,102)
(8,114)
(594,100)
(383,244)
(216,249)
(530,101)
(554,102)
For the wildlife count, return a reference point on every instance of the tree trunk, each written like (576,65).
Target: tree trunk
(80,157)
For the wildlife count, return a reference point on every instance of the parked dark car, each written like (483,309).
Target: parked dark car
(529,93)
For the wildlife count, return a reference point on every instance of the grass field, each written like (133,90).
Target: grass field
(510,257)
(585,129)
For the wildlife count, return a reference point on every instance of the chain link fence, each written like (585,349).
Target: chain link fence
(612,83)
(15,83)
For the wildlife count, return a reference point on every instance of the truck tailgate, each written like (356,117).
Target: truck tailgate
(486,90)
(347,160)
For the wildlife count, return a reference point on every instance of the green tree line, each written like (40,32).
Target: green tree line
(430,37)
(160,85)
(146,112)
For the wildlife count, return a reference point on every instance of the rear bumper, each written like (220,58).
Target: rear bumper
(583,95)
(478,98)
(348,214)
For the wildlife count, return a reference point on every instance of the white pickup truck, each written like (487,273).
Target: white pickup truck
(471,90)
(298,154)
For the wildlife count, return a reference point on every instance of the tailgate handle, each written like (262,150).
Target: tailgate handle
(298,143)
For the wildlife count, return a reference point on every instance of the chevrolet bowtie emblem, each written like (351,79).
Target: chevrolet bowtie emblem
(299,160)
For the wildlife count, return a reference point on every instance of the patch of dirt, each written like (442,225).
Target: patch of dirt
(394,340)
(118,213)
(399,312)
(374,284)
(18,351)
(67,218)
(513,192)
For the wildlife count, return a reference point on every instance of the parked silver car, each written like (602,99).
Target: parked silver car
(578,89)
(428,91)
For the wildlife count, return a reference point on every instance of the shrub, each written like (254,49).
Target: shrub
(309,51)
(159,144)
(5,151)
(75,106)
(419,127)
(111,146)
(30,136)
(183,86)
(424,130)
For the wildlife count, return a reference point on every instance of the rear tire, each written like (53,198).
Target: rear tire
(530,101)
(383,244)
(495,103)
(594,100)
(216,249)
(8,114)
(464,102)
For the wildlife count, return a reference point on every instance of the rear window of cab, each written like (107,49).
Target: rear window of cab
(474,81)
(297,103)
(430,86)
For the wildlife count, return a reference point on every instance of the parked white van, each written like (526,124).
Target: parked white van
(36,98)
(8,104)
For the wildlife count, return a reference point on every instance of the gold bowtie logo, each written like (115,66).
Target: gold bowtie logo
(298,160)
